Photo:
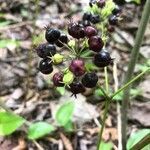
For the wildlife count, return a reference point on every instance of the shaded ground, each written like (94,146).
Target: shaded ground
(31,94)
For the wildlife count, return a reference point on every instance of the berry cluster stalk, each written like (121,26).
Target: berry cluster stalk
(128,76)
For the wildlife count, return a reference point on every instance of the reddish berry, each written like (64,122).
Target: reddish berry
(77,67)
(90,31)
(57,79)
(95,43)
(52,35)
(90,80)
(76,30)
(100,3)
(45,66)
(77,87)
(113,20)
(62,39)
(44,50)
(102,59)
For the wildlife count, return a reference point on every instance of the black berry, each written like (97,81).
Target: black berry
(116,10)
(95,19)
(57,79)
(45,66)
(113,20)
(77,87)
(52,35)
(90,80)
(95,43)
(92,2)
(77,67)
(62,39)
(86,16)
(44,50)
(102,59)
(90,31)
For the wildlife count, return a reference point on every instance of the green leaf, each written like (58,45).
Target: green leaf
(8,43)
(61,90)
(39,129)
(64,113)
(136,137)
(69,127)
(106,146)
(98,93)
(147,147)
(136,1)
(5,23)
(9,123)
(91,67)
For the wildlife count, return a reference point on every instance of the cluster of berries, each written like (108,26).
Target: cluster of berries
(48,52)
(93,18)
(75,77)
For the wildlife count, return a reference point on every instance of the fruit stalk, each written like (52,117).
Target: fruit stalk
(128,76)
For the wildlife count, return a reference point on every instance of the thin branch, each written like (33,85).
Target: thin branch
(131,66)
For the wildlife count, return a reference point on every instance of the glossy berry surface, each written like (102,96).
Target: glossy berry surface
(90,80)
(45,66)
(77,87)
(95,43)
(57,79)
(62,39)
(52,35)
(44,50)
(90,31)
(113,20)
(95,19)
(76,30)
(77,67)
(87,16)
(102,59)
(100,3)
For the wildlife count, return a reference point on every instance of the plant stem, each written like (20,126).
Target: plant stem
(128,76)
(106,79)
(130,82)
(107,104)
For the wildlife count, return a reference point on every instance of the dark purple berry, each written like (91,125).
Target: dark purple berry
(77,67)
(95,19)
(76,30)
(90,80)
(113,20)
(90,31)
(57,79)
(62,39)
(77,87)
(95,43)
(44,50)
(52,35)
(100,3)
(102,59)
(116,10)
(45,66)
(86,16)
